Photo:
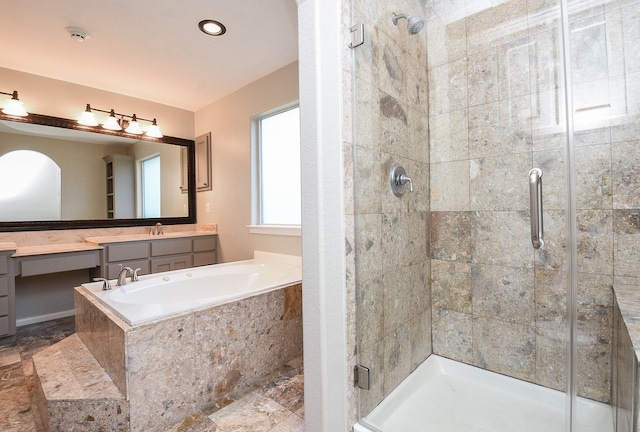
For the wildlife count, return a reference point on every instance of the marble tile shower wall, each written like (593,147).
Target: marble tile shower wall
(495,111)
(391,233)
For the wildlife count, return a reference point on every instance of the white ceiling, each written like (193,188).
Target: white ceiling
(150,49)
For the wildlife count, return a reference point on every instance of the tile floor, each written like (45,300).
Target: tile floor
(275,404)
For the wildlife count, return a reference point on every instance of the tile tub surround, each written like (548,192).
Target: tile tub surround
(17,391)
(190,362)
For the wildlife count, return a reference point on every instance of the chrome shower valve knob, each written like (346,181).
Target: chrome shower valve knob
(398,180)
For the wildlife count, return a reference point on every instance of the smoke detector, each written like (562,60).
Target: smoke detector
(78,34)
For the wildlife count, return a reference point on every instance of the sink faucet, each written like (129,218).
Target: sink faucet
(122,276)
(157,229)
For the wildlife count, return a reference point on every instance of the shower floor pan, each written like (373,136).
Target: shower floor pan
(443,395)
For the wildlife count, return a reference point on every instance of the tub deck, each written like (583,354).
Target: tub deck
(160,295)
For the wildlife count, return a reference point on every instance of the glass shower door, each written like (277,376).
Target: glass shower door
(605,108)
(468,106)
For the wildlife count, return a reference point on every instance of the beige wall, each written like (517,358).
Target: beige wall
(229,200)
(42,95)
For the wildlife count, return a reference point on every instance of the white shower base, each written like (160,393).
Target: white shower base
(443,395)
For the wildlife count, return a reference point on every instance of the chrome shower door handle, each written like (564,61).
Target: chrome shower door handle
(535,203)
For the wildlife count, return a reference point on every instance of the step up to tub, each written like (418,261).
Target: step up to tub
(74,393)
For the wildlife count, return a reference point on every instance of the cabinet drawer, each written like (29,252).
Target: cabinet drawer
(56,263)
(127,251)
(4,326)
(204,258)
(3,264)
(171,263)
(4,286)
(4,305)
(204,244)
(114,269)
(170,247)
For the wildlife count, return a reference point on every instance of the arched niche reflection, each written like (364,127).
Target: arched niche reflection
(29,186)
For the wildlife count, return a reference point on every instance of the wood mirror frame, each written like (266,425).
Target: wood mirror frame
(39,119)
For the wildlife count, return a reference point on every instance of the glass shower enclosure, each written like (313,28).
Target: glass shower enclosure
(468,105)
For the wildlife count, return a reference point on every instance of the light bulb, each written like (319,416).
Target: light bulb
(154,130)
(112,122)
(87,118)
(134,126)
(15,107)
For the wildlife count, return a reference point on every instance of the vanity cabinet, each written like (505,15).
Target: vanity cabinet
(158,254)
(7,296)
(172,254)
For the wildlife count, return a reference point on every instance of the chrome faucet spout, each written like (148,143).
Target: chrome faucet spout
(122,276)
(156,229)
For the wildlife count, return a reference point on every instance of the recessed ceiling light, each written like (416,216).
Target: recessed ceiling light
(212,28)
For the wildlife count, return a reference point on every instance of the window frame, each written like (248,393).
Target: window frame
(257,227)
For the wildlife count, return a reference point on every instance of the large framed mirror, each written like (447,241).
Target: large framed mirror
(57,174)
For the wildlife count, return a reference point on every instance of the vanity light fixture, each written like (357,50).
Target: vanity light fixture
(117,122)
(14,106)
(134,126)
(212,27)
(154,130)
(112,122)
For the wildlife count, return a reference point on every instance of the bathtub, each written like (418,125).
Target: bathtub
(160,295)
(182,341)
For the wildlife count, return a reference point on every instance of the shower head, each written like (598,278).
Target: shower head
(415,23)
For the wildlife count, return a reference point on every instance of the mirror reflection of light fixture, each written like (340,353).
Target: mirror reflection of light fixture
(117,122)
(14,106)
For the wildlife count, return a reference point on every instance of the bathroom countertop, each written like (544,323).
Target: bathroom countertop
(139,237)
(7,246)
(628,298)
(25,251)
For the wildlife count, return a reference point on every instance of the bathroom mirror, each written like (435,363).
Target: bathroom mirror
(91,177)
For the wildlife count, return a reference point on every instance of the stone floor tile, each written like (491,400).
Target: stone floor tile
(253,413)
(288,392)
(9,355)
(293,423)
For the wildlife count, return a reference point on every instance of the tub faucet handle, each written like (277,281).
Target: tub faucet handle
(106,285)
(135,278)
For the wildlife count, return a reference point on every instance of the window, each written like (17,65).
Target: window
(150,187)
(276,170)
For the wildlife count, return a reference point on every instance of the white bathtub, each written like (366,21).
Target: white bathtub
(163,294)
